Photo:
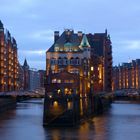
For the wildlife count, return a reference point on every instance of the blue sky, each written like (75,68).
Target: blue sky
(32,23)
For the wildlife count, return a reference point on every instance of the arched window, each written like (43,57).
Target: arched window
(65,61)
(85,60)
(77,61)
(53,61)
(60,61)
(71,61)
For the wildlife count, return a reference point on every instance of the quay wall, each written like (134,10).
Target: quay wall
(65,111)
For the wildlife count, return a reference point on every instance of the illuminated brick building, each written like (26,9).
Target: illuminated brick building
(101,59)
(127,75)
(8,61)
(79,63)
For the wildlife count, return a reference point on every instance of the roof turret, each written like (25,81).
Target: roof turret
(84,42)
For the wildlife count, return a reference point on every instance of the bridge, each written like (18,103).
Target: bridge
(126,94)
(23,95)
(8,100)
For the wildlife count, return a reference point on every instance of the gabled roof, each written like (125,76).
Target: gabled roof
(73,41)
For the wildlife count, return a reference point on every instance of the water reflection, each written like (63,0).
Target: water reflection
(121,122)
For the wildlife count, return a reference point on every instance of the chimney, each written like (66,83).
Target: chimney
(56,36)
(68,33)
(80,33)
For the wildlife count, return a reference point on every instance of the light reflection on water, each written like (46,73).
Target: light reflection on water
(121,122)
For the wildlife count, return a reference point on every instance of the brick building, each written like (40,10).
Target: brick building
(31,78)
(8,62)
(79,63)
(101,58)
(127,75)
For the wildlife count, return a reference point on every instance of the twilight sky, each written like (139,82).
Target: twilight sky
(32,23)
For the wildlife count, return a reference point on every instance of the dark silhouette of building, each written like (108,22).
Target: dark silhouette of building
(31,77)
(21,77)
(26,75)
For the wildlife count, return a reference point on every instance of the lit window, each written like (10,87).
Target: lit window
(54,81)
(58,81)
(66,81)
(56,49)
(71,81)
(92,68)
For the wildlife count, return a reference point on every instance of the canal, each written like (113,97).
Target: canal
(121,122)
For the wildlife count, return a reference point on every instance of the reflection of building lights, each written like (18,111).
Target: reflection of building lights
(69,105)
(88,85)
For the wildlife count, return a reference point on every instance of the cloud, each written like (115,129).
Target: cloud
(17,6)
(32,23)
(37,64)
(133,45)
(32,52)
(127,45)
(42,35)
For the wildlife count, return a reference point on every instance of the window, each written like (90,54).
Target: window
(74,70)
(52,61)
(58,81)
(60,61)
(66,81)
(65,61)
(92,68)
(71,60)
(54,81)
(77,61)
(69,81)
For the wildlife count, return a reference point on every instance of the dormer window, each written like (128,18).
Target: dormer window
(56,47)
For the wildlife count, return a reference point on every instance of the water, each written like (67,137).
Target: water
(121,122)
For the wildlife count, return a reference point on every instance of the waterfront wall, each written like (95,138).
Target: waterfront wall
(69,111)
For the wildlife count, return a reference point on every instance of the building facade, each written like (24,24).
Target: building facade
(127,75)
(34,79)
(26,76)
(8,62)
(101,58)
(21,78)
(42,74)
(31,77)
(74,64)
